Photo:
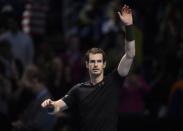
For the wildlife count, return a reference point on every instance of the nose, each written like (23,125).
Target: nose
(95,64)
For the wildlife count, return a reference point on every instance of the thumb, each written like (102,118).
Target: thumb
(120,15)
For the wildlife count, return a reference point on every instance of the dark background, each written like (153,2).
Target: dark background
(71,27)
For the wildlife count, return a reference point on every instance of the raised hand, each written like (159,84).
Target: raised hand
(126,15)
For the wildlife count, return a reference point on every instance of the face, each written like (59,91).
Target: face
(95,64)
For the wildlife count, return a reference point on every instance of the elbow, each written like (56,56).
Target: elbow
(123,73)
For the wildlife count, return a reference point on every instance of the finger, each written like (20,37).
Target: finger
(119,13)
(46,103)
(129,11)
(49,102)
(125,9)
(126,6)
(121,16)
(43,104)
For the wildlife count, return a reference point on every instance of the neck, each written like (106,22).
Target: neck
(96,79)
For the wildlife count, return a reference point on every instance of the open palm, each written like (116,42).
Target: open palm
(126,15)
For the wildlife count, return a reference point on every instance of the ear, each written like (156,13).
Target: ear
(104,65)
(86,63)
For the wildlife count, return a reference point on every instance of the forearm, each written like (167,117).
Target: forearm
(127,59)
(130,49)
(130,42)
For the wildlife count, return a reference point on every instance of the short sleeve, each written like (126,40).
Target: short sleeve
(70,97)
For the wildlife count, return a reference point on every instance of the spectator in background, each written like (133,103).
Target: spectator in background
(133,94)
(56,78)
(133,97)
(34,18)
(5,94)
(73,60)
(6,57)
(33,117)
(21,44)
(22,93)
(12,69)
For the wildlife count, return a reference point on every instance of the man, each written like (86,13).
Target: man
(96,101)
(22,45)
(32,117)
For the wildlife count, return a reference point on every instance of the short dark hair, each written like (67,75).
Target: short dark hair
(95,51)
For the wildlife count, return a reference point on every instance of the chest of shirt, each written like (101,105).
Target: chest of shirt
(97,96)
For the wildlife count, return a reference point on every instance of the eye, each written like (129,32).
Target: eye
(99,61)
(92,61)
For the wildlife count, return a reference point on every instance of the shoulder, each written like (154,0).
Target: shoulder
(82,84)
(77,87)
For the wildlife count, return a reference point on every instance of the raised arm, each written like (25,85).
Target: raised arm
(126,61)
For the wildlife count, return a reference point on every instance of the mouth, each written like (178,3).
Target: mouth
(95,69)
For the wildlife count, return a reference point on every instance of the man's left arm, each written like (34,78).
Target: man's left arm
(126,61)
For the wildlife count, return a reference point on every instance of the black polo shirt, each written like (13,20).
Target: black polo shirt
(96,105)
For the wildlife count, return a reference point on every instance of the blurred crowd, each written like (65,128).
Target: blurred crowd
(42,44)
